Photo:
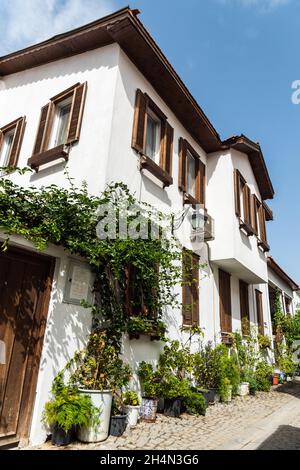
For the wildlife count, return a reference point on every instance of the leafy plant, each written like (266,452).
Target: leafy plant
(69,408)
(99,366)
(146,326)
(263,373)
(208,366)
(195,404)
(225,389)
(230,372)
(172,387)
(150,380)
(264,342)
(131,398)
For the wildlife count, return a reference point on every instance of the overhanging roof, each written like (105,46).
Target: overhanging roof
(257,162)
(282,274)
(124,28)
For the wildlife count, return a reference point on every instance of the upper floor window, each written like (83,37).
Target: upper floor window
(259,223)
(59,126)
(152,138)
(11,137)
(191,174)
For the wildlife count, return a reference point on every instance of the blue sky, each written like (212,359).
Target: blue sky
(239,58)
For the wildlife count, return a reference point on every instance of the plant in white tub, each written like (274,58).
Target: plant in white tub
(98,373)
(132,405)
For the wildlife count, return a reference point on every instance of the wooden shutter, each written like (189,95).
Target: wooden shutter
(17,142)
(139,123)
(43,133)
(254,213)
(167,153)
(225,302)
(190,288)
(76,113)
(237,186)
(201,181)
(262,224)
(244,305)
(182,176)
(247,204)
(259,312)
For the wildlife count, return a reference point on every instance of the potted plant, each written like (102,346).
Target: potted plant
(140,325)
(150,379)
(225,391)
(132,404)
(195,404)
(207,371)
(173,390)
(67,410)
(118,419)
(98,372)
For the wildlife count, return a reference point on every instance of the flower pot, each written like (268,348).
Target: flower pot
(173,407)
(275,380)
(118,425)
(205,394)
(289,379)
(102,400)
(148,409)
(132,413)
(61,437)
(212,397)
(243,389)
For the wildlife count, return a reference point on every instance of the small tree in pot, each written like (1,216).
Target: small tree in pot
(132,404)
(150,380)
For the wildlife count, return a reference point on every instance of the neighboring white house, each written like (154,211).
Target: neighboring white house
(105,99)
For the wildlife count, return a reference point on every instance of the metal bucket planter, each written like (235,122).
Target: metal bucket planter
(118,425)
(103,401)
(148,409)
(243,389)
(173,407)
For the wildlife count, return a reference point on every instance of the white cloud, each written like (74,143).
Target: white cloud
(24,22)
(262,5)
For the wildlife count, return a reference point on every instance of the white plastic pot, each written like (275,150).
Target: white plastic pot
(103,401)
(132,415)
(243,389)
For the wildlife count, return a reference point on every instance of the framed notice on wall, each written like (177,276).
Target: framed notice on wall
(79,283)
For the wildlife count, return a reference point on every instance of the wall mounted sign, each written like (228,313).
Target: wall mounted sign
(79,283)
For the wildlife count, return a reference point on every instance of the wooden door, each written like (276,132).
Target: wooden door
(25,283)
(225,302)
(260,312)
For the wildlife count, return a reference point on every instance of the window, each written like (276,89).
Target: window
(11,137)
(152,138)
(288,305)
(191,174)
(190,288)
(140,301)
(243,203)
(259,223)
(259,312)
(244,305)
(59,126)
(225,302)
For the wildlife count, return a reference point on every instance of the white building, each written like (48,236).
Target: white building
(97,86)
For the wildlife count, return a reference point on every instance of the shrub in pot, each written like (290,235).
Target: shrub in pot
(150,380)
(173,390)
(262,373)
(67,410)
(132,404)
(225,391)
(208,370)
(99,371)
(195,404)
(118,419)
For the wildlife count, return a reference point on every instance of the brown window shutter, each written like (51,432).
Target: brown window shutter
(17,142)
(182,165)
(202,182)
(139,123)
(262,224)
(195,289)
(225,302)
(259,311)
(237,185)
(247,204)
(167,154)
(76,113)
(244,305)
(187,314)
(254,213)
(43,133)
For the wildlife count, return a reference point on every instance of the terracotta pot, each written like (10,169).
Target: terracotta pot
(275,380)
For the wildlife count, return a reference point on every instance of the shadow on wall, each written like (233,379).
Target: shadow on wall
(284,438)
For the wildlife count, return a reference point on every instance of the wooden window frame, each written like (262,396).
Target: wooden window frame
(190,289)
(200,174)
(18,126)
(42,154)
(162,170)
(244,307)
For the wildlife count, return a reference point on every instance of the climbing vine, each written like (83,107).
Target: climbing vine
(69,217)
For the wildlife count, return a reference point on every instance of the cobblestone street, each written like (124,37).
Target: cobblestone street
(266,421)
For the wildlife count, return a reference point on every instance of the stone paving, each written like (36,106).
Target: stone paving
(222,423)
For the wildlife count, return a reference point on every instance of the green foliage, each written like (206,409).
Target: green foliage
(263,373)
(150,379)
(69,408)
(131,398)
(172,387)
(146,326)
(284,360)
(208,367)
(176,360)
(264,342)
(225,389)
(195,404)
(230,372)
(247,353)
(99,366)
(69,217)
